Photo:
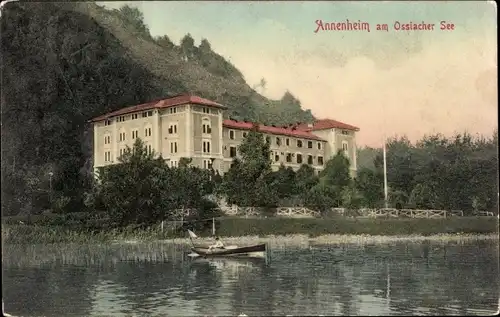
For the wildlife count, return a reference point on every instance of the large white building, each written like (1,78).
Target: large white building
(193,127)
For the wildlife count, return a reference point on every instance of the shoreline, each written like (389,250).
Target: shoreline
(316,230)
(293,239)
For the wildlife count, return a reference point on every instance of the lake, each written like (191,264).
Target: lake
(157,279)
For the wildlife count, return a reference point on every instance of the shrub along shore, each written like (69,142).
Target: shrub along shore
(261,227)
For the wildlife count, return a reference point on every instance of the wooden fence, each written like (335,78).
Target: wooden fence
(299,212)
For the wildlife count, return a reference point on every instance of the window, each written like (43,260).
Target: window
(344,146)
(135,116)
(309,144)
(320,160)
(319,145)
(135,134)
(174,163)
(288,158)
(287,142)
(206,127)
(231,134)
(310,159)
(206,146)
(278,141)
(150,113)
(299,143)
(232,151)
(107,156)
(144,114)
(173,110)
(268,139)
(276,157)
(147,132)
(122,151)
(244,134)
(107,122)
(205,110)
(173,147)
(121,136)
(299,158)
(172,129)
(207,164)
(345,132)
(121,118)
(150,149)
(107,139)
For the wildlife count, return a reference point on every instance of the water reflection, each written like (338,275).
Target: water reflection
(156,279)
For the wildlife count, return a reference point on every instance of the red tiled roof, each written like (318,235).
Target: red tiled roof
(161,103)
(327,124)
(288,131)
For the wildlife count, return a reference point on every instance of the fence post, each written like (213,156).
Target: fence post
(162,226)
(213,226)
(445,213)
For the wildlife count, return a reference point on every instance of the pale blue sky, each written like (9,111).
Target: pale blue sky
(425,81)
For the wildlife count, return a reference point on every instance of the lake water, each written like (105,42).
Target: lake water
(156,279)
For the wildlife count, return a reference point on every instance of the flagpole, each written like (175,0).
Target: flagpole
(385,173)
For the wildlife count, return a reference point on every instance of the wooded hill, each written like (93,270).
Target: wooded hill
(64,63)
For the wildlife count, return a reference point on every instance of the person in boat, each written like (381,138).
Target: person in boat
(217,245)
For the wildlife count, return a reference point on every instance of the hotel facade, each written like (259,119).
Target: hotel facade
(193,127)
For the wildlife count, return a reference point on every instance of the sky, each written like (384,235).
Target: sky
(387,83)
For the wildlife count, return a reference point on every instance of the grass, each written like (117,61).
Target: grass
(351,226)
(259,227)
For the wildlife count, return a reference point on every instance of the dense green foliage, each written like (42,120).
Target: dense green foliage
(64,63)
(143,190)
(251,182)
(456,173)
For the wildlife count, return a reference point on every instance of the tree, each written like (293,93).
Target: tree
(165,42)
(143,190)
(398,199)
(422,197)
(187,45)
(320,198)
(135,18)
(336,176)
(305,179)
(205,47)
(284,181)
(371,185)
(352,199)
(249,180)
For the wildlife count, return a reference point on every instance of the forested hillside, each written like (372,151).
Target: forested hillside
(65,63)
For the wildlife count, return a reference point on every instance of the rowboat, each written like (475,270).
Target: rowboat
(197,249)
(257,251)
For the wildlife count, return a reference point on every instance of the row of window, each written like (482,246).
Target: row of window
(288,156)
(278,140)
(133,116)
(207,163)
(122,136)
